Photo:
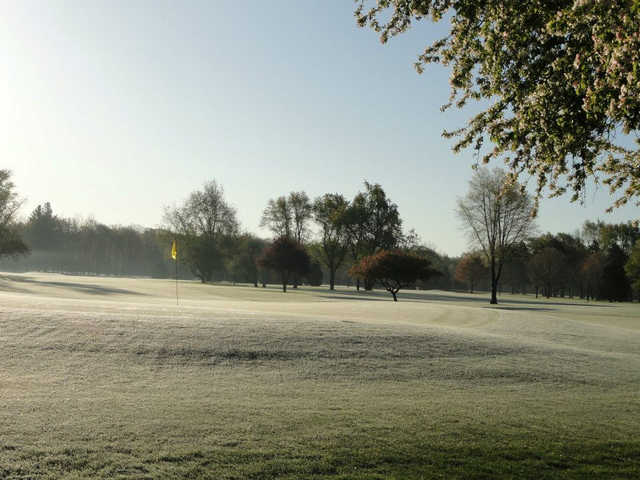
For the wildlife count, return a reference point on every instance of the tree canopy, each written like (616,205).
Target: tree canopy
(393,270)
(559,79)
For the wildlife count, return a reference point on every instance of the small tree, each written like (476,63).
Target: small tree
(470,270)
(286,257)
(394,270)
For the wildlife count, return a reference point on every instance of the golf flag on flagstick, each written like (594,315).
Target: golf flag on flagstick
(174,255)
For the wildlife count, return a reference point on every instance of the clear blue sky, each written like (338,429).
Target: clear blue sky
(116,108)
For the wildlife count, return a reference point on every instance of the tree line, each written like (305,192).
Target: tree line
(335,240)
(601,261)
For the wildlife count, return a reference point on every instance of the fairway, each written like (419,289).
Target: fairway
(109,378)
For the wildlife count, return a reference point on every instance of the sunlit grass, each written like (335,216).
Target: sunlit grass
(107,378)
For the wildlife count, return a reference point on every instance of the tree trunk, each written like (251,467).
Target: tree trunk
(494,282)
(285,280)
(358,284)
(395,299)
(332,278)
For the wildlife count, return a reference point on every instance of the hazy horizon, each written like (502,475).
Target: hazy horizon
(115,110)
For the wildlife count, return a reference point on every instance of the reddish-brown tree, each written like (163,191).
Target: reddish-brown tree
(393,270)
(470,270)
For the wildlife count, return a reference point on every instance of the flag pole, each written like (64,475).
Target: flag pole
(176,272)
(174,256)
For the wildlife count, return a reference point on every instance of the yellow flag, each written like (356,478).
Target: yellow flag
(174,250)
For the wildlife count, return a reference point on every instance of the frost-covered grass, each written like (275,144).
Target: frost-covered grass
(108,378)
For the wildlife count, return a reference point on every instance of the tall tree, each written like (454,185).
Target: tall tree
(373,223)
(556,81)
(278,218)
(329,212)
(615,283)
(204,224)
(356,221)
(301,213)
(548,269)
(497,214)
(632,268)
(591,274)
(11,244)
(41,230)
(384,224)
(515,268)
(574,253)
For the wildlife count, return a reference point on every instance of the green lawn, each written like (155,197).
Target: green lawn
(108,378)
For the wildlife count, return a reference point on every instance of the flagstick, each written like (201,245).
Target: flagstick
(176,274)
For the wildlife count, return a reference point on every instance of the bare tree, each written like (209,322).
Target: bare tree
(301,212)
(497,214)
(329,212)
(288,217)
(203,223)
(278,217)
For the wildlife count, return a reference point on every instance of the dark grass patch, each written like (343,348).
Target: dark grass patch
(354,458)
(362,358)
(292,348)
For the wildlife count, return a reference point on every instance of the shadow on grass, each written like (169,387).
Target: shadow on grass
(356,297)
(428,296)
(535,309)
(423,296)
(89,288)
